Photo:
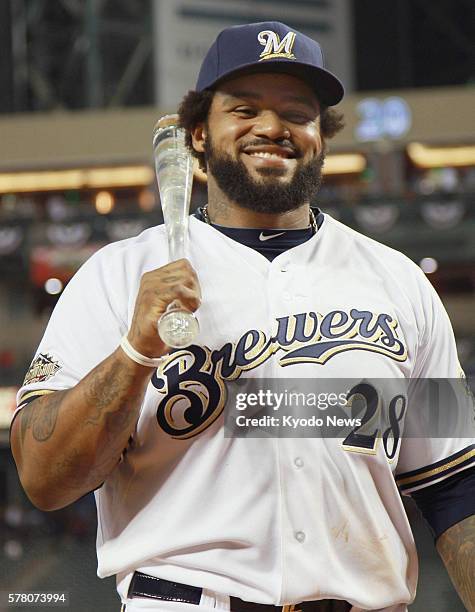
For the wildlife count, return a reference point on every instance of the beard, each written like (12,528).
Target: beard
(267,195)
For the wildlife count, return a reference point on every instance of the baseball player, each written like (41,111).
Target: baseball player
(188,518)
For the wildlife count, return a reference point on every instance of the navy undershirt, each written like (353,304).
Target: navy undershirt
(449,502)
(268,242)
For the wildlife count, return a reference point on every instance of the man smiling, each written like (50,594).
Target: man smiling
(190,519)
(274,166)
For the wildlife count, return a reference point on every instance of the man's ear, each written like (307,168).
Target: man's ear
(198,137)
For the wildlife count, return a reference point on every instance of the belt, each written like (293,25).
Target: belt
(143,585)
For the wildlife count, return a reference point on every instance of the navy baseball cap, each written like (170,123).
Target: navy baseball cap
(269,46)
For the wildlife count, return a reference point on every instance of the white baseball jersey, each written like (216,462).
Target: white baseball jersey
(269,520)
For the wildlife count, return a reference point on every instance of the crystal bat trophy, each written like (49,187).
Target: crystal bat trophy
(177,326)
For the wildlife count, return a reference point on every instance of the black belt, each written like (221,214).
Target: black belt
(143,585)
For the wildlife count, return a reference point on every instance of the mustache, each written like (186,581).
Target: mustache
(281,142)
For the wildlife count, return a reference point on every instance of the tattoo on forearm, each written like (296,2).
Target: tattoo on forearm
(25,421)
(119,420)
(457,548)
(41,417)
(45,417)
(101,393)
(76,472)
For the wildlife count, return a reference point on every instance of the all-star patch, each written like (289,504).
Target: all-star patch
(42,368)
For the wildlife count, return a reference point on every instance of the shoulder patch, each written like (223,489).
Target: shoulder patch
(42,368)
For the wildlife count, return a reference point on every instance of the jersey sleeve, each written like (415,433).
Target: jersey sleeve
(431,453)
(448,502)
(85,327)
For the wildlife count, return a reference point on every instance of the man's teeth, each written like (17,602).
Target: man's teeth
(267,155)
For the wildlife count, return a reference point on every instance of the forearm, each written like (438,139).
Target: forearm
(66,443)
(457,548)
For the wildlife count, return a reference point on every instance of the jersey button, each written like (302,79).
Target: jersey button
(298,462)
(286,295)
(300,536)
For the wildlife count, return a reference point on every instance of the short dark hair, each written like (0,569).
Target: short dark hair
(194,109)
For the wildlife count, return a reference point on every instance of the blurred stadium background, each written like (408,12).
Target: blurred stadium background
(81,85)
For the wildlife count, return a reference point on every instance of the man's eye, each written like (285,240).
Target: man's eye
(245,111)
(297,118)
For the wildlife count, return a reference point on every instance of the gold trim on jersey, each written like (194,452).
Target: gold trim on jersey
(362,450)
(34,393)
(438,470)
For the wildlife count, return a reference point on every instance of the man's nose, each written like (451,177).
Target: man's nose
(268,124)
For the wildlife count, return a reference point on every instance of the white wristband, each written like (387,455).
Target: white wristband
(151,362)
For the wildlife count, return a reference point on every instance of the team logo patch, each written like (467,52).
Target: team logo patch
(274,47)
(42,368)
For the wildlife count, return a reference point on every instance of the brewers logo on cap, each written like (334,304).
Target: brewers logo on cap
(274,47)
(268,46)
